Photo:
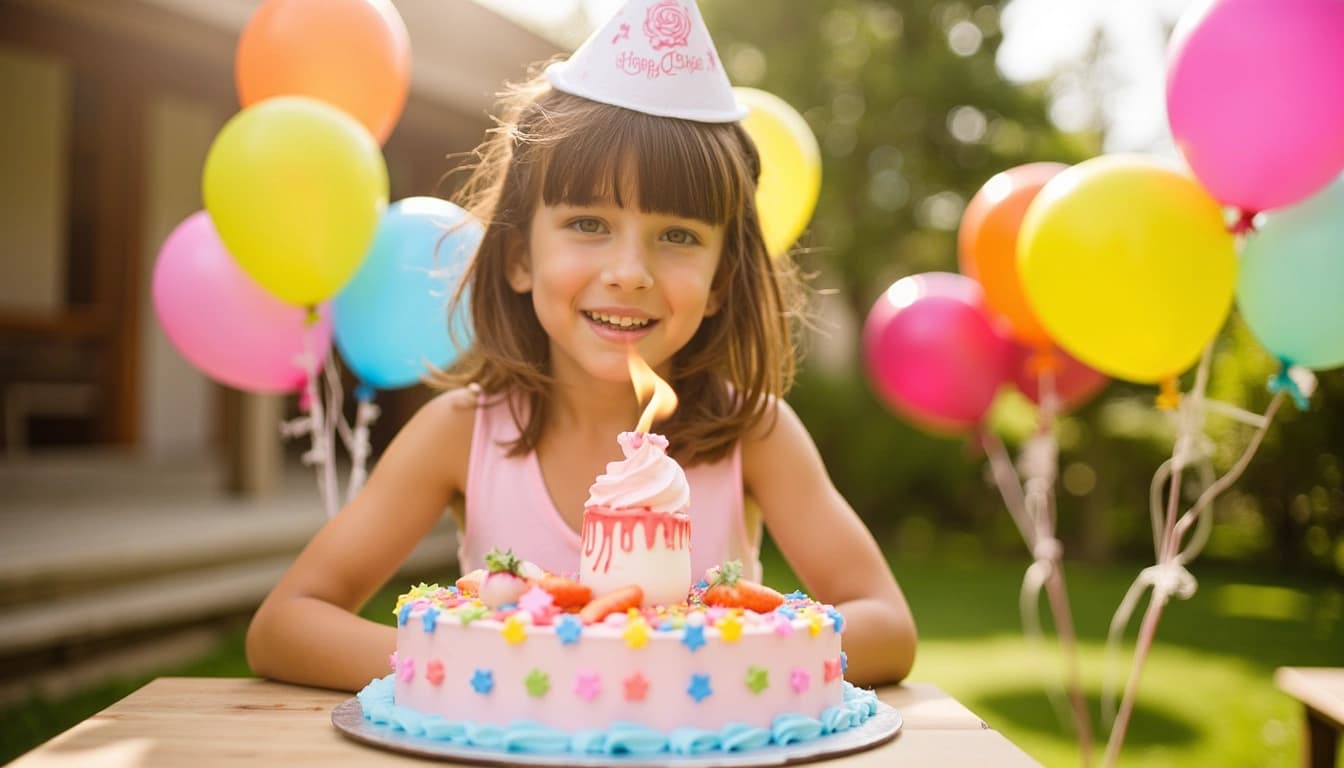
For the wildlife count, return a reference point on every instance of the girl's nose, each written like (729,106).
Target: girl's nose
(628,267)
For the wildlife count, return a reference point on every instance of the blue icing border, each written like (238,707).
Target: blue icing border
(377,703)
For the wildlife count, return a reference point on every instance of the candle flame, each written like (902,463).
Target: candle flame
(650,388)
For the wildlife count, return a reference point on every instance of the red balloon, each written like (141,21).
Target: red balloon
(933,354)
(1075,383)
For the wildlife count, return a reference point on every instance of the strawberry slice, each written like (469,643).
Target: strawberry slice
(567,593)
(615,601)
(470,584)
(730,590)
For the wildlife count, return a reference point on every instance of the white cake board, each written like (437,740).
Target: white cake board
(883,726)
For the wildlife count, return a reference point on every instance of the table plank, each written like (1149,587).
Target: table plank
(214,722)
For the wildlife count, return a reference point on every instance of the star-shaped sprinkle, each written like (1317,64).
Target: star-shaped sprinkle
(568,629)
(434,672)
(799,679)
(796,594)
(407,670)
(472,613)
(813,624)
(844,662)
(730,628)
(636,634)
(783,625)
(404,615)
(587,685)
(837,621)
(758,679)
(431,618)
(694,637)
(831,669)
(699,688)
(483,681)
(514,630)
(392,660)
(786,612)
(536,601)
(537,682)
(636,687)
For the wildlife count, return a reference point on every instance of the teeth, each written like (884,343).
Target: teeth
(619,321)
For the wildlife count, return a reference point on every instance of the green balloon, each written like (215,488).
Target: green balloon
(1291,287)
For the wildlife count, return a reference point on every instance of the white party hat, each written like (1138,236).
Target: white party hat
(655,57)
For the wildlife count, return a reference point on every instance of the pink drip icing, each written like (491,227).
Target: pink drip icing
(599,531)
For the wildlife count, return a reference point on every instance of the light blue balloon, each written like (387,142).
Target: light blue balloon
(391,319)
(1291,287)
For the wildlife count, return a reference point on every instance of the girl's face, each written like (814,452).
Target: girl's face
(604,276)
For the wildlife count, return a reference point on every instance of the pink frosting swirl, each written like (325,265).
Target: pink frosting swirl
(646,479)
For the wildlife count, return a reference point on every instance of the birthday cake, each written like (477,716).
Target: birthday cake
(630,657)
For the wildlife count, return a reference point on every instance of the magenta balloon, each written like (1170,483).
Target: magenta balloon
(1255,98)
(1075,383)
(224,323)
(932,352)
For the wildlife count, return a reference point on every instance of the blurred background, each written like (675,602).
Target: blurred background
(145,510)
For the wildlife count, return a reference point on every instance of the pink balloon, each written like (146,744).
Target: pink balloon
(224,323)
(1075,383)
(1254,98)
(932,352)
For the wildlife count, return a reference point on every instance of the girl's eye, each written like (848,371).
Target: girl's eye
(587,225)
(681,237)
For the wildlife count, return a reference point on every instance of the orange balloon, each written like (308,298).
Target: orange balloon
(352,54)
(987,244)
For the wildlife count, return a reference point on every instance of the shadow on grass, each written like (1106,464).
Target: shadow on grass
(1027,709)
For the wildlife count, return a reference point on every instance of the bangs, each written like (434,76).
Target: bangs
(676,167)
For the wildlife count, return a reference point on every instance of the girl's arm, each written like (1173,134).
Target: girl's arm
(306,630)
(829,548)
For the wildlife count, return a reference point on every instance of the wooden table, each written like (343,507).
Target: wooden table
(1321,691)
(205,722)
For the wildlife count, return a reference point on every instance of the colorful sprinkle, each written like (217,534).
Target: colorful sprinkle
(434,672)
(587,685)
(796,594)
(783,625)
(831,669)
(404,615)
(730,628)
(483,681)
(514,630)
(699,688)
(392,660)
(568,629)
(813,624)
(694,637)
(799,679)
(407,670)
(431,618)
(758,679)
(471,613)
(536,601)
(844,662)
(537,682)
(636,687)
(838,621)
(636,634)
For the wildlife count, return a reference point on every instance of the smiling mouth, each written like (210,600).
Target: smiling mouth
(620,322)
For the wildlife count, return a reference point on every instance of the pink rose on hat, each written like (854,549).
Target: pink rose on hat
(667,25)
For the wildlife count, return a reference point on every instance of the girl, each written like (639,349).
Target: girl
(605,227)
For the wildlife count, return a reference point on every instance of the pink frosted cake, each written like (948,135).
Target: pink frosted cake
(632,658)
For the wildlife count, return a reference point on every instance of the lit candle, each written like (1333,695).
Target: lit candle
(662,401)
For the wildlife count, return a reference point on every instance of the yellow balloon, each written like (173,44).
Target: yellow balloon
(790,167)
(295,188)
(1129,266)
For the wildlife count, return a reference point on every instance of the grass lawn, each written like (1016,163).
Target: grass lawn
(1207,697)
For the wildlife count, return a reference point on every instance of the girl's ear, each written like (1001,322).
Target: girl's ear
(519,266)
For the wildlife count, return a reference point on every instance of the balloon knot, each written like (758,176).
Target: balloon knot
(1244,224)
(1283,381)
(1169,398)
(364,393)
(1042,360)
(305,401)
(310,316)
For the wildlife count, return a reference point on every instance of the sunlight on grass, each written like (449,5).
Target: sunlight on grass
(1255,601)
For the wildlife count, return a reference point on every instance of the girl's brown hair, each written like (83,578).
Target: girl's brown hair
(556,148)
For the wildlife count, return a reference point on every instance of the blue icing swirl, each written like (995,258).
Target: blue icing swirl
(691,741)
(377,702)
(735,737)
(633,739)
(787,729)
(526,736)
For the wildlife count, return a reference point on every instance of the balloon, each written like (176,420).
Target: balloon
(224,323)
(352,54)
(790,167)
(987,244)
(1128,265)
(295,188)
(391,319)
(1292,277)
(1075,383)
(1253,98)
(932,353)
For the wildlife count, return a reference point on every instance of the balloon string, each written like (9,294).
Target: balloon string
(366,412)
(314,424)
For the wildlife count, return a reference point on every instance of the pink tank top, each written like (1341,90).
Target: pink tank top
(508,506)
